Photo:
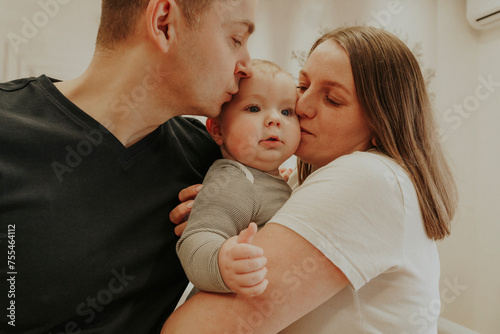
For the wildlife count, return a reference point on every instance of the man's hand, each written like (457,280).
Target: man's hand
(180,213)
(242,265)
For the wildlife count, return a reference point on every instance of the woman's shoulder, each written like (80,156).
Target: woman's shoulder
(370,163)
(369,169)
(371,158)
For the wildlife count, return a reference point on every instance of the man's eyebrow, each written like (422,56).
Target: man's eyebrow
(247,23)
(250,26)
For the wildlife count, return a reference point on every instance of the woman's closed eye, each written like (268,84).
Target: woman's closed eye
(332,101)
(301,88)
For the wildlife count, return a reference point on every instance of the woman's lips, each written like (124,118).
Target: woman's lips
(304,131)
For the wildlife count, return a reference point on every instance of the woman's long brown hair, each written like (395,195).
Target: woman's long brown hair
(392,92)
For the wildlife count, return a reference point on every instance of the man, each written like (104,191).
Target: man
(91,167)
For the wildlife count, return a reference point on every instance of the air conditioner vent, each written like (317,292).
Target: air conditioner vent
(483,14)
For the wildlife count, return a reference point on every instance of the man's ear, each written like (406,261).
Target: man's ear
(162,19)
(214,128)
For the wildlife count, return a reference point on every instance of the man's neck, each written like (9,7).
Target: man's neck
(120,91)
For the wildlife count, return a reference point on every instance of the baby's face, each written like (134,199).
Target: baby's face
(259,126)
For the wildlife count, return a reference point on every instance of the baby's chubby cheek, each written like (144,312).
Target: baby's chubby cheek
(243,149)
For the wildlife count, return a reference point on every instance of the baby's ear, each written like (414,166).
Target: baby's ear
(213,127)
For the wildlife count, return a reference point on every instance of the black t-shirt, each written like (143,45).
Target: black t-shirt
(85,239)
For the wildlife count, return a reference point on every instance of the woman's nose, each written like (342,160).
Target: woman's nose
(305,106)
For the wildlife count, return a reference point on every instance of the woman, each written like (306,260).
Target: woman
(353,250)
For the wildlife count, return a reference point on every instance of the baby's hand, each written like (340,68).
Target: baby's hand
(242,265)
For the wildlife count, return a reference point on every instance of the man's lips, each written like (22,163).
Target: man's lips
(232,92)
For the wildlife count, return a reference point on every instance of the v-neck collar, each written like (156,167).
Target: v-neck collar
(125,154)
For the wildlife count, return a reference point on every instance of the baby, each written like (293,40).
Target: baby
(257,131)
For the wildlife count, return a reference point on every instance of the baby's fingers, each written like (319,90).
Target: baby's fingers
(255,290)
(246,251)
(249,265)
(251,279)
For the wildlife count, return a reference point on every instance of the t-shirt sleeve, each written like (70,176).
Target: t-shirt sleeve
(223,208)
(352,211)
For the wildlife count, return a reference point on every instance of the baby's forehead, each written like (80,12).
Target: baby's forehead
(270,71)
(278,91)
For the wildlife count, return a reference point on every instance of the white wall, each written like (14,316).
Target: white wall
(488,200)
(56,38)
(286,26)
(470,257)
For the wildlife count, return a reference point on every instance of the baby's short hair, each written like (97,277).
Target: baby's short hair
(268,67)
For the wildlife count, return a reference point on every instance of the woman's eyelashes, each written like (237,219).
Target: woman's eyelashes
(332,101)
(301,88)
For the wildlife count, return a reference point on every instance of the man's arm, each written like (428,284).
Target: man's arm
(300,279)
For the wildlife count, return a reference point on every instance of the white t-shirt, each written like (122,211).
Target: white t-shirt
(361,211)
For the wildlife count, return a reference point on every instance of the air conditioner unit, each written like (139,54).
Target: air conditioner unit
(483,14)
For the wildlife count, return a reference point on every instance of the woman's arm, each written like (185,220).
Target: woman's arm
(300,279)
